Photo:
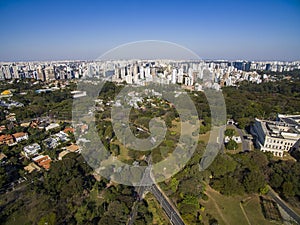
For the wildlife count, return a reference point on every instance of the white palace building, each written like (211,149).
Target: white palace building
(278,137)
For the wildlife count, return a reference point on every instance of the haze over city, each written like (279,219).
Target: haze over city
(56,30)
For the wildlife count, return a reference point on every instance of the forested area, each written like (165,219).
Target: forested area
(69,194)
(264,100)
(57,104)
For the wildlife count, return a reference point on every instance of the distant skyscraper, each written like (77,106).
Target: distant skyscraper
(7,72)
(15,72)
(49,73)
(40,73)
(142,73)
(1,74)
(174,75)
(247,66)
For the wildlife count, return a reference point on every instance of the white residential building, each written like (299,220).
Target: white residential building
(52,126)
(31,150)
(20,136)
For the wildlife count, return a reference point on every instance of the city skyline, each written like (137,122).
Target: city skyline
(45,31)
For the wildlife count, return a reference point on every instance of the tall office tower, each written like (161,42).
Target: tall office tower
(253,66)
(128,79)
(104,70)
(123,73)
(187,81)
(80,71)
(40,73)
(15,72)
(200,74)
(190,72)
(90,72)
(142,73)
(129,70)
(49,73)
(76,75)
(7,72)
(135,69)
(184,67)
(247,66)
(174,75)
(1,74)
(180,76)
(70,73)
(147,72)
(116,73)
(34,75)
(135,74)
(153,72)
(268,66)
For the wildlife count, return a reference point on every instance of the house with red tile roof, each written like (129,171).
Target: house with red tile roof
(69,130)
(7,139)
(72,148)
(43,161)
(20,136)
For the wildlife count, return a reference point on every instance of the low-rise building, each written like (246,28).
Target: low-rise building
(73,148)
(62,154)
(2,128)
(51,142)
(27,124)
(69,130)
(32,167)
(62,136)
(52,126)
(277,137)
(237,139)
(43,161)
(31,150)
(7,139)
(11,117)
(20,136)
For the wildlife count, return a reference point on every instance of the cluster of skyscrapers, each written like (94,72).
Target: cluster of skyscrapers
(192,74)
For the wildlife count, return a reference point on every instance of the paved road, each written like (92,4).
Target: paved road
(245,143)
(169,209)
(140,190)
(147,184)
(283,205)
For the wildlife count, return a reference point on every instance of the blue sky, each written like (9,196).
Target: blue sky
(53,30)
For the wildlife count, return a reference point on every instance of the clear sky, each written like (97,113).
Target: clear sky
(54,30)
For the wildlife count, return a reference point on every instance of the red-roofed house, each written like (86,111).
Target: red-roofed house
(72,148)
(6,139)
(69,130)
(43,160)
(20,136)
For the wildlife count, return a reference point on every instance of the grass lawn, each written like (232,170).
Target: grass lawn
(204,137)
(254,212)
(234,128)
(227,210)
(123,151)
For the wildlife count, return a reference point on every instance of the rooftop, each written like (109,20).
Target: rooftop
(72,148)
(19,134)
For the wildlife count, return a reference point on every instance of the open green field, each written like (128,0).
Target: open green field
(204,137)
(230,210)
